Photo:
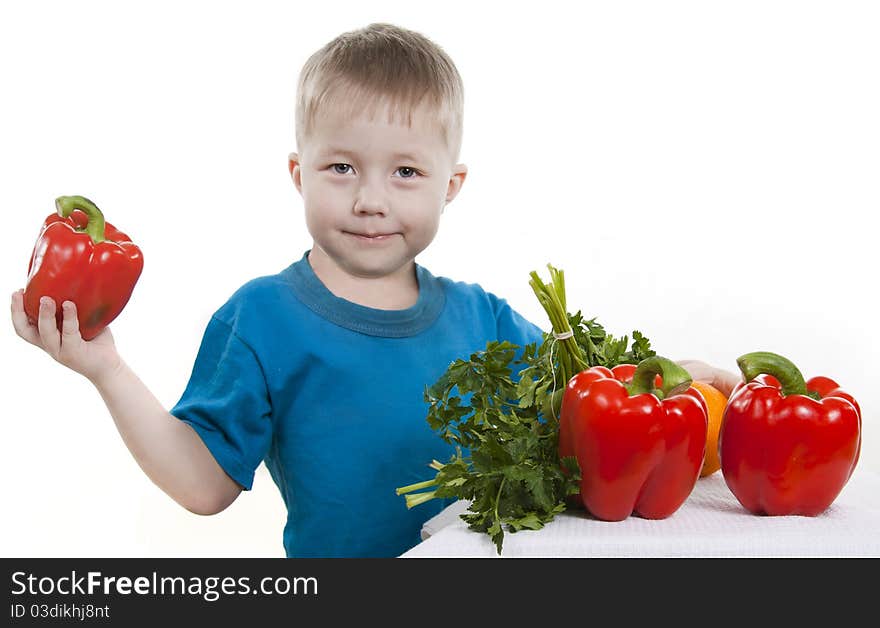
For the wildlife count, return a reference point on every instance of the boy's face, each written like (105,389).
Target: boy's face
(374,190)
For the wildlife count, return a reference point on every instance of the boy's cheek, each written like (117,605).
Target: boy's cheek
(322,200)
(425,228)
(316,220)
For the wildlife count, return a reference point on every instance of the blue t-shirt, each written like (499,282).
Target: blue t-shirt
(330,394)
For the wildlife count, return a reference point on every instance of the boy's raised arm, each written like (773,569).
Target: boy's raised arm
(168,450)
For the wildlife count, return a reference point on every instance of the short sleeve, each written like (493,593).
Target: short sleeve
(514,327)
(226,402)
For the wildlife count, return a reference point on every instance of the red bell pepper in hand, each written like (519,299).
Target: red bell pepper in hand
(639,447)
(80,258)
(787,446)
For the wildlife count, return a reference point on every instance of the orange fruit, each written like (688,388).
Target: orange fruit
(715,402)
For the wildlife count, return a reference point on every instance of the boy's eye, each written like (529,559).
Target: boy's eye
(405,172)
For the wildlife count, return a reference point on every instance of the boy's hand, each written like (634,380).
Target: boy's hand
(723,380)
(93,359)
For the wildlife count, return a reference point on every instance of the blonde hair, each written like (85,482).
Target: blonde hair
(381,64)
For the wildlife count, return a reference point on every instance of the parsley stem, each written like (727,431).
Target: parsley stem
(498,498)
(419,498)
(415,487)
(552,298)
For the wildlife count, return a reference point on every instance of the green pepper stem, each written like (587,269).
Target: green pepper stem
(95,227)
(676,379)
(783,369)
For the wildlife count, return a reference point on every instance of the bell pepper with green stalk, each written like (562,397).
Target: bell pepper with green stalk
(787,446)
(639,447)
(81,258)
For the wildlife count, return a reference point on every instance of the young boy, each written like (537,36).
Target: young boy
(319,370)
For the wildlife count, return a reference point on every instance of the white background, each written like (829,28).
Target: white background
(704,172)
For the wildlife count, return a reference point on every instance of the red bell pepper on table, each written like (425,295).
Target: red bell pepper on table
(639,447)
(787,446)
(81,258)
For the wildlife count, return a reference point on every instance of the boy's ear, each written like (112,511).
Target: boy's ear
(293,166)
(456,180)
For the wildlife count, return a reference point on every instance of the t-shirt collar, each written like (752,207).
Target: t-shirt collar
(366,320)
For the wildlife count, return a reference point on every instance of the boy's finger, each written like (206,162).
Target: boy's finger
(20,322)
(48,327)
(70,324)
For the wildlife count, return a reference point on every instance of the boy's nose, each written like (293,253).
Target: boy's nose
(370,202)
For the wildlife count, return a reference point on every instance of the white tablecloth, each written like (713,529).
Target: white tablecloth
(710,523)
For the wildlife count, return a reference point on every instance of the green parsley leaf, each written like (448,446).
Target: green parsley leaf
(511,473)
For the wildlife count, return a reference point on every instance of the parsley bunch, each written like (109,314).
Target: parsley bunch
(500,409)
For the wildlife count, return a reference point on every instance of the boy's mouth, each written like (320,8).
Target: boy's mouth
(370,236)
